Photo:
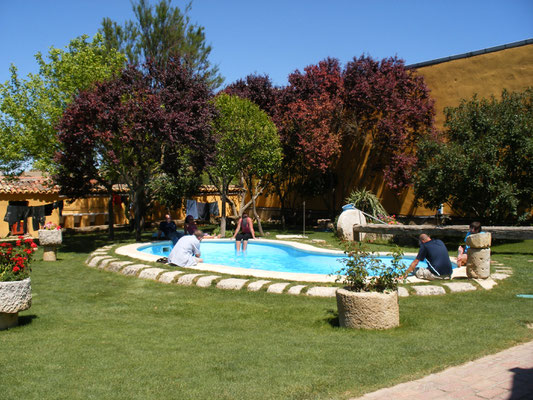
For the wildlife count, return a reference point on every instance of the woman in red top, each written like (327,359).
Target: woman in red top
(190,226)
(246,226)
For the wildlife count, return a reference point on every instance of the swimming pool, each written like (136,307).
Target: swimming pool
(269,256)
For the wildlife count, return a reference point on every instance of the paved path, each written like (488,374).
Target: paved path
(506,375)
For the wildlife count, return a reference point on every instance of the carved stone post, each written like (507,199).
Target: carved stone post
(478,261)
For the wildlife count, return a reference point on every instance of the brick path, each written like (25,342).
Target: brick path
(506,375)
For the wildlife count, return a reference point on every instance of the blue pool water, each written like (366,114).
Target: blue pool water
(267,256)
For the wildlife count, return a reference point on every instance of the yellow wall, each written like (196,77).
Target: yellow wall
(485,74)
(449,82)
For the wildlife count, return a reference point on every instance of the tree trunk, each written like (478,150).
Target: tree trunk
(137,204)
(223,193)
(111,217)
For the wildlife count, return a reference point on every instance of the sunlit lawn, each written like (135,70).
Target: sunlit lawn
(93,334)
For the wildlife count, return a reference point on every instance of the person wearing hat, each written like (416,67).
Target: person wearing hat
(186,253)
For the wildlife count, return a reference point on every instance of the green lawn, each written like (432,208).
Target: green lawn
(92,334)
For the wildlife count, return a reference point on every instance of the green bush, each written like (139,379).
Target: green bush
(365,272)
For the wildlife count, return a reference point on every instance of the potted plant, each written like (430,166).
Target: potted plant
(370,298)
(15,284)
(50,237)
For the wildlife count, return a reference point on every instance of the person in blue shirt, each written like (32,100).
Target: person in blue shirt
(169,230)
(435,253)
(462,256)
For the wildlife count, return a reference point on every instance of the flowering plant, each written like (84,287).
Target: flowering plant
(388,219)
(50,226)
(15,259)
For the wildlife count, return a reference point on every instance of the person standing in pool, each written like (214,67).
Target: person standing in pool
(246,228)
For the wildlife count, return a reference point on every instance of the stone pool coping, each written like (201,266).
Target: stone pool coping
(132,251)
(101,259)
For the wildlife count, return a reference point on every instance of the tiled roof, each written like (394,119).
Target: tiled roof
(34,182)
(28,183)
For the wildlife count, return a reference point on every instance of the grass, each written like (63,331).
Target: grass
(92,334)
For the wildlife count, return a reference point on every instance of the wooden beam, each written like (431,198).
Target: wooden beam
(498,232)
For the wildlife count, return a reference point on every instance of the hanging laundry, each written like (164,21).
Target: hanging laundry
(38,217)
(192,208)
(213,209)
(203,211)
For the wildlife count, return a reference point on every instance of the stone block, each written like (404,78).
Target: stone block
(50,237)
(322,291)
(104,263)
(479,240)
(402,292)
(499,276)
(168,277)
(206,281)
(116,266)
(346,222)
(460,286)
(15,296)
(49,253)
(257,285)
(478,263)
(297,289)
(132,270)
(277,287)
(151,273)
(186,280)
(486,284)
(429,290)
(95,260)
(231,284)
(459,273)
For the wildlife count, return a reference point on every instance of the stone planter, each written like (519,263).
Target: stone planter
(14,297)
(368,310)
(50,240)
(478,261)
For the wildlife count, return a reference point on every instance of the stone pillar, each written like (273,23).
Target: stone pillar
(50,240)
(478,261)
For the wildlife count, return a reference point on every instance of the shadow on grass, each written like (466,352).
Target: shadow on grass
(333,318)
(26,319)
(86,242)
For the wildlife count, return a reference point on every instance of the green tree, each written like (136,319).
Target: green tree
(160,32)
(30,108)
(483,164)
(247,148)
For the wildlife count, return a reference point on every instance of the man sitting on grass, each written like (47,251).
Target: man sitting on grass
(435,253)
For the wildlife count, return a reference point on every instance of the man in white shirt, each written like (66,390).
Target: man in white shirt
(186,252)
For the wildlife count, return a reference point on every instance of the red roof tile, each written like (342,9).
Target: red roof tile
(28,183)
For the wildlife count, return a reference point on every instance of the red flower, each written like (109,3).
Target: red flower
(16,269)
(19,242)
(33,245)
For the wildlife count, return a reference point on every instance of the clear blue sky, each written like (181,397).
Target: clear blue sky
(277,37)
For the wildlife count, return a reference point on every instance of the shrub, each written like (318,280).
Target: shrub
(365,272)
(367,202)
(15,259)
